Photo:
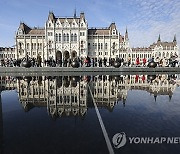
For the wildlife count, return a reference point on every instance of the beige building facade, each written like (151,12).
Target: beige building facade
(70,37)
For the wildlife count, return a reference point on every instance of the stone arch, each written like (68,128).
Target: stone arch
(66,55)
(58,55)
(73,54)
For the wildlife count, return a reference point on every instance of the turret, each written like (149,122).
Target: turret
(82,16)
(51,16)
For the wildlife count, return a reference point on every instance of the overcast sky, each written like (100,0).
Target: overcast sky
(145,19)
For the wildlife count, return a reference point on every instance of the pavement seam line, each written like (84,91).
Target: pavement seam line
(111,151)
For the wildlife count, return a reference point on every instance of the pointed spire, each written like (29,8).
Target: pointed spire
(75,13)
(126,34)
(159,38)
(174,40)
(126,30)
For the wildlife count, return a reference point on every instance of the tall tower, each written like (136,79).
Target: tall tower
(127,46)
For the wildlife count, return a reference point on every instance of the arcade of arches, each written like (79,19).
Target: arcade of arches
(66,55)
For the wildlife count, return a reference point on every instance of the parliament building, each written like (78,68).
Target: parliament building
(70,37)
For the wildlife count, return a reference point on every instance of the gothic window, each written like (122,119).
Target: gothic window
(20,45)
(101,46)
(75,37)
(49,24)
(20,32)
(167,54)
(114,32)
(56,37)
(67,37)
(98,46)
(159,54)
(59,37)
(95,46)
(163,54)
(72,37)
(40,45)
(81,44)
(114,44)
(27,46)
(34,45)
(106,46)
(64,37)
(82,25)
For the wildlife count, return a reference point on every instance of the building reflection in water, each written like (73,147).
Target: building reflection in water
(69,95)
(1,126)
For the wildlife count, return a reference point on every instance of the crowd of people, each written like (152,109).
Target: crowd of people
(91,62)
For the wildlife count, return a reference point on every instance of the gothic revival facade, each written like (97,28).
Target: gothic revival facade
(70,37)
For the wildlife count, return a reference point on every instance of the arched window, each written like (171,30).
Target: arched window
(56,37)
(106,46)
(163,54)
(72,37)
(67,37)
(27,46)
(114,44)
(159,54)
(64,37)
(75,37)
(20,45)
(59,37)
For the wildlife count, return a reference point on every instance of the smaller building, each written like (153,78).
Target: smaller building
(7,53)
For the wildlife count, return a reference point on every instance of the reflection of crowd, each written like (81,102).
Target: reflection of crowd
(92,62)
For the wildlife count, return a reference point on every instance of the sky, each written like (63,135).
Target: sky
(144,19)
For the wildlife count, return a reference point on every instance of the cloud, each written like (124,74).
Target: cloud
(153,18)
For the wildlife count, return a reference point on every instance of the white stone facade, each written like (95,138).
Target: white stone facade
(70,37)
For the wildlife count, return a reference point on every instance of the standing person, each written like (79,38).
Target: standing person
(39,60)
(93,62)
(100,62)
(137,61)
(122,61)
(129,61)
(105,61)
(144,61)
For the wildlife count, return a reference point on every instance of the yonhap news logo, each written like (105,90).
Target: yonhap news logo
(120,139)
